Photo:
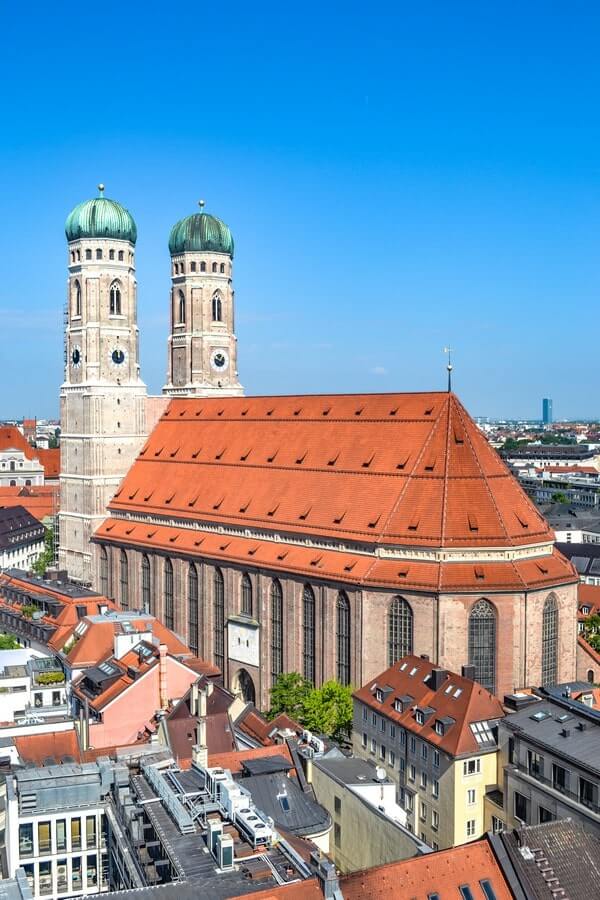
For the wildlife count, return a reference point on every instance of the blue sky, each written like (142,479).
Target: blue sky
(396,176)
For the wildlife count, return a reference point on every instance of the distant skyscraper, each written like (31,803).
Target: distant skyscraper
(547,411)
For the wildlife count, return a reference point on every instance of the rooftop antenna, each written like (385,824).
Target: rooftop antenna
(449,367)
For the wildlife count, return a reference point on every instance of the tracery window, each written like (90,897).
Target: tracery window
(482,643)
(400,630)
(124,579)
(276,630)
(193,609)
(77,299)
(169,619)
(246,595)
(181,308)
(308,632)
(217,308)
(103,572)
(343,638)
(146,585)
(550,641)
(219,619)
(115,299)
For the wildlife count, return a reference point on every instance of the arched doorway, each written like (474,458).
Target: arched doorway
(243,686)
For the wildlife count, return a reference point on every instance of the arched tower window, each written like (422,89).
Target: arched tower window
(343,638)
(203,267)
(219,619)
(217,309)
(169,618)
(124,580)
(193,608)
(214,267)
(276,630)
(308,633)
(246,595)
(88,254)
(77,307)
(550,641)
(115,299)
(103,572)
(222,268)
(400,630)
(146,585)
(111,254)
(181,305)
(590,676)
(482,643)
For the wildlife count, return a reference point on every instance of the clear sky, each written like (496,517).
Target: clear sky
(397,176)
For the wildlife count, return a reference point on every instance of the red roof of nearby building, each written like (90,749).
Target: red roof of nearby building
(459,699)
(588,595)
(234,759)
(36,748)
(41,501)
(50,459)
(12,439)
(298,890)
(442,873)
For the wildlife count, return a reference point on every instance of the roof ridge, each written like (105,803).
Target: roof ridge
(446,476)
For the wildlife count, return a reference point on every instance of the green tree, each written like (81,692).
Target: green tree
(288,695)
(328,710)
(559,497)
(46,557)
(9,642)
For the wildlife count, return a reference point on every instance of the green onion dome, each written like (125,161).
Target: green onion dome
(200,232)
(100,218)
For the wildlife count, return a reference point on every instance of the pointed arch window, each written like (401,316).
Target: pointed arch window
(482,643)
(246,595)
(276,630)
(103,571)
(181,305)
(77,311)
(193,608)
(219,619)
(124,580)
(214,267)
(343,638)
(146,585)
(222,268)
(550,641)
(169,617)
(400,630)
(115,299)
(217,309)
(203,267)
(308,633)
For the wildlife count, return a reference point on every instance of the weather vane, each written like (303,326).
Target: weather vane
(449,367)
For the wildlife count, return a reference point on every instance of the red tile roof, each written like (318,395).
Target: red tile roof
(235,759)
(458,698)
(41,502)
(12,439)
(440,873)
(588,595)
(97,642)
(298,890)
(35,748)
(50,459)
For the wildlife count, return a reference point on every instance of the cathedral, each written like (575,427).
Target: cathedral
(325,534)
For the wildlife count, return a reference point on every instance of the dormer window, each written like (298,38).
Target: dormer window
(379,695)
(412,671)
(419,717)
(398,706)
(585,610)
(439,727)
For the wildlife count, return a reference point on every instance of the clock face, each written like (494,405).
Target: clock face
(76,357)
(219,360)
(118,356)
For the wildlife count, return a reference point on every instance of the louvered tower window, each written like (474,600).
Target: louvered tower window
(115,299)
(550,641)
(181,308)
(193,609)
(276,630)
(482,643)
(219,619)
(246,595)
(146,584)
(217,308)
(308,632)
(400,630)
(124,578)
(169,619)
(103,571)
(343,638)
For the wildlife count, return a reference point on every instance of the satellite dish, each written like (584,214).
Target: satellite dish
(380,774)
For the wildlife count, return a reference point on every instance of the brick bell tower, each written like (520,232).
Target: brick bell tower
(202,347)
(103,399)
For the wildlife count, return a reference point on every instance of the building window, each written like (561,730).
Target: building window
(169,594)
(471,796)
(121,256)
(560,778)
(214,267)
(61,834)
(115,299)
(276,630)
(181,308)
(111,254)
(26,839)
(217,309)
(337,834)
(521,807)
(472,766)
(400,630)
(544,815)
(103,571)
(435,788)
(308,629)
(193,608)
(219,619)
(535,764)
(497,825)
(470,827)
(124,579)
(77,310)
(222,268)
(590,676)
(193,266)
(146,584)
(98,254)
(588,793)
(88,254)
(549,641)
(246,595)
(435,819)
(482,644)
(203,267)
(343,638)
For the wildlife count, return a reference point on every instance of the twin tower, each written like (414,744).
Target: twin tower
(106,413)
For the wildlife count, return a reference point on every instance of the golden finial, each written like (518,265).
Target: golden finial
(201,204)
(101,189)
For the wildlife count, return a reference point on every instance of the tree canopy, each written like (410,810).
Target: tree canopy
(325,710)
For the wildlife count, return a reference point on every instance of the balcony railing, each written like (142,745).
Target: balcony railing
(559,787)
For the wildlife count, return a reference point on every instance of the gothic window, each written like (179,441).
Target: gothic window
(182,268)
(72,257)
(482,643)
(181,298)
(343,638)
(276,630)
(88,254)
(111,254)
(308,633)
(121,256)
(590,676)
(193,608)
(124,579)
(115,299)
(98,254)
(214,267)
(400,630)
(217,309)
(103,572)
(219,619)
(169,594)
(222,268)
(550,641)
(193,266)
(146,584)
(246,595)
(78,256)
(77,299)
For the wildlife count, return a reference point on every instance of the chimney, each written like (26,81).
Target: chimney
(194,699)
(200,748)
(468,672)
(162,676)
(327,875)
(437,678)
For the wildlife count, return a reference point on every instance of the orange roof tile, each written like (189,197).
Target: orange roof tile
(97,642)
(50,459)
(298,890)
(41,502)
(35,748)
(12,439)
(234,759)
